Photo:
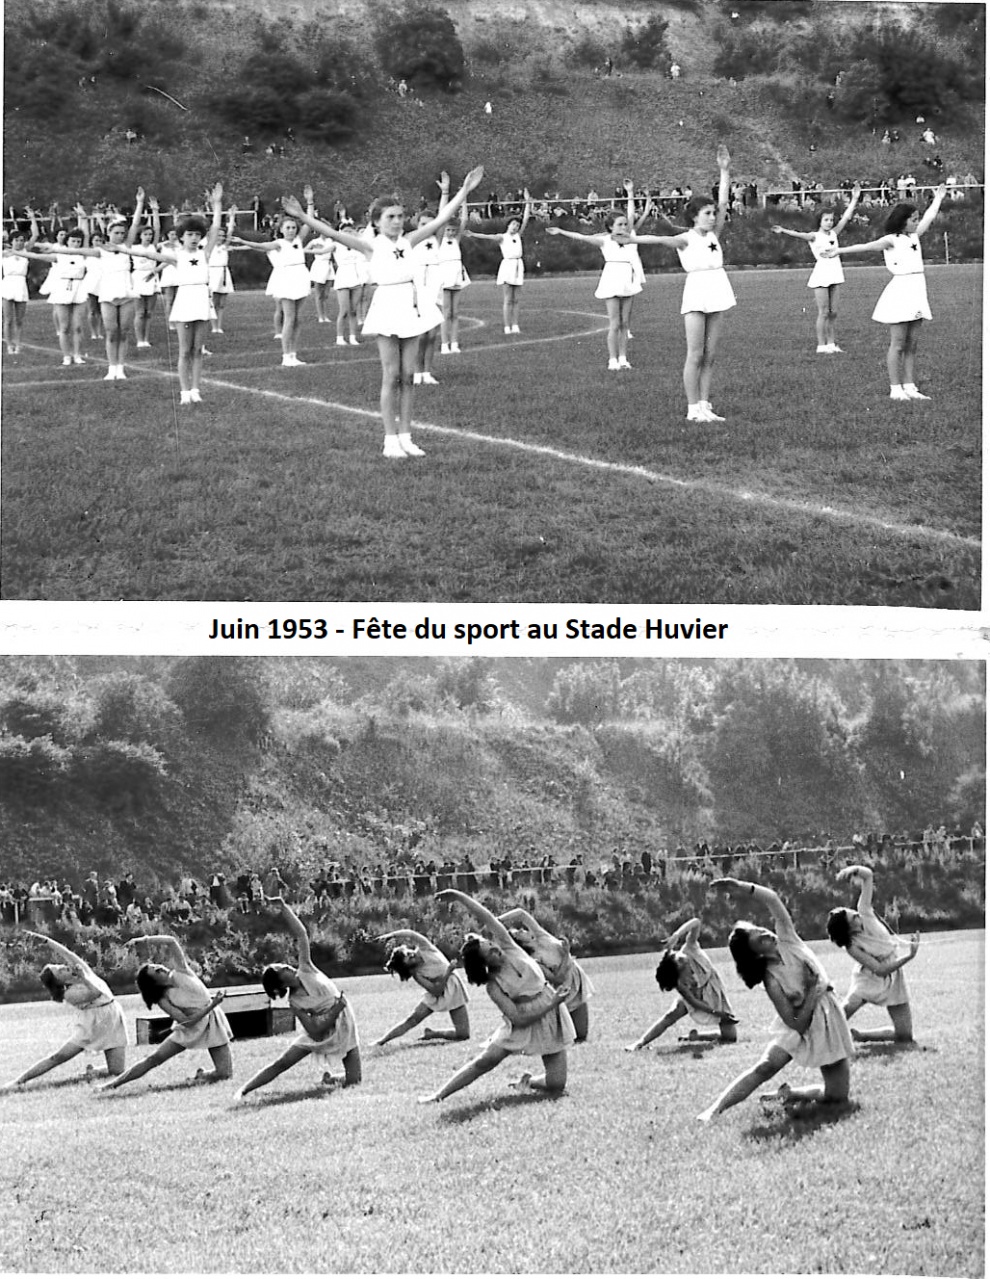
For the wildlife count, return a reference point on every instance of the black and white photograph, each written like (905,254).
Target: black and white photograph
(492,966)
(405,300)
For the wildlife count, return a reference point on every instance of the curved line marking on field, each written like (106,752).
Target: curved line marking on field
(742,496)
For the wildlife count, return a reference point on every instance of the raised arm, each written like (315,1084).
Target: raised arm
(452,206)
(864,877)
(744,889)
(175,954)
(305,231)
(684,935)
(527,211)
(135,227)
(481,913)
(722,155)
(843,222)
(931,213)
(519,916)
(213,234)
(401,935)
(156,221)
(297,928)
(69,957)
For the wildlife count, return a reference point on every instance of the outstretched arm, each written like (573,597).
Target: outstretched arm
(682,936)
(70,958)
(292,206)
(807,236)
(405,935)
(594,238)
(481,913)
(744,889)
(176,955)
(931,213)
(885,242)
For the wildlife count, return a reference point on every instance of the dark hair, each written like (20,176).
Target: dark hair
(897,218)
(273,983)
(52,984)
(400,962)
(191,224)
(750,966)
(152,989)
(826,208)
(837,926)
(475,966)
(695,205)
(667,971)
(384,202)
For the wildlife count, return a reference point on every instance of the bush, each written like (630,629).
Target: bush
(35,714)
(122,774)
(420,45)
(742,52)
(30,768)
(327,115)
(645,47)
(130,708)
(586,52)
(220,696)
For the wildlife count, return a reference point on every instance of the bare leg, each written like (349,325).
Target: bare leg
(474,1069)
(901,1031)
(462,1027)
(895,353)
(579,1016)
(418,1014)
(554,1077)
(391,356)
(772,1061)
(910,349)
(833,1089)
(116,1060)
(670,1018)
(161,1054)
(694,333)
(612,306)
(821,319)
(713,327)
(833,313)
(223,1066)
(291,1057)
(42,1067)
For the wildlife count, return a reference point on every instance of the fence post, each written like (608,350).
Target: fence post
(945,238)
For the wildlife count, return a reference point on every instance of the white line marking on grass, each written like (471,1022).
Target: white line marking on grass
(636,472)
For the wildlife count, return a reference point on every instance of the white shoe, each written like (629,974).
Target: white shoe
(276,337)
(515,328)
(429,380)
(204,351)
(507,329)
(417,379)
(342,341)
(710,414)
(628,336)
(355,341)
(392,447)
(78,359)
(195,397)
(407,446)
(613,365)
(66,359)
(624,363)
(444,348)
(121,375)
(823,349)
(695,413)
(898,393)
(144,346)
(111,374)
(912,392)
(185,397)
(835,348)
(454,349)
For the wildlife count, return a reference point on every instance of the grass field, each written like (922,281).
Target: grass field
(547,479)
(615,1177)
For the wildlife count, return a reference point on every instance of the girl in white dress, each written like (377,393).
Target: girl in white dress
(349,280)
(426,255)
(397,316)
(91,284)
(511,271)
(67,294)
(197,1019)
(685,968)
(878,977)
(190,312)
(536,1021)
(289,282)
(221,281)
(810,1027)
(560,968)
(903,304)
(707,291)
(14,291)
(167,279)
(321,274)
(415,956)
(453,281)
(146,280)
(100,1026)
(828,274)
(618,284)
(328,1026)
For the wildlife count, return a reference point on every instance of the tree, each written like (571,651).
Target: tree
(220,696)
(859,95)
(646,46)
(587,693)
(420,45)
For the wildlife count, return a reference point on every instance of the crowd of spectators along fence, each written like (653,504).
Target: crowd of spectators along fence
(101,901)
(592,208)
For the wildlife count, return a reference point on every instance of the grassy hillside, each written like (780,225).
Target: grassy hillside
(554,125)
